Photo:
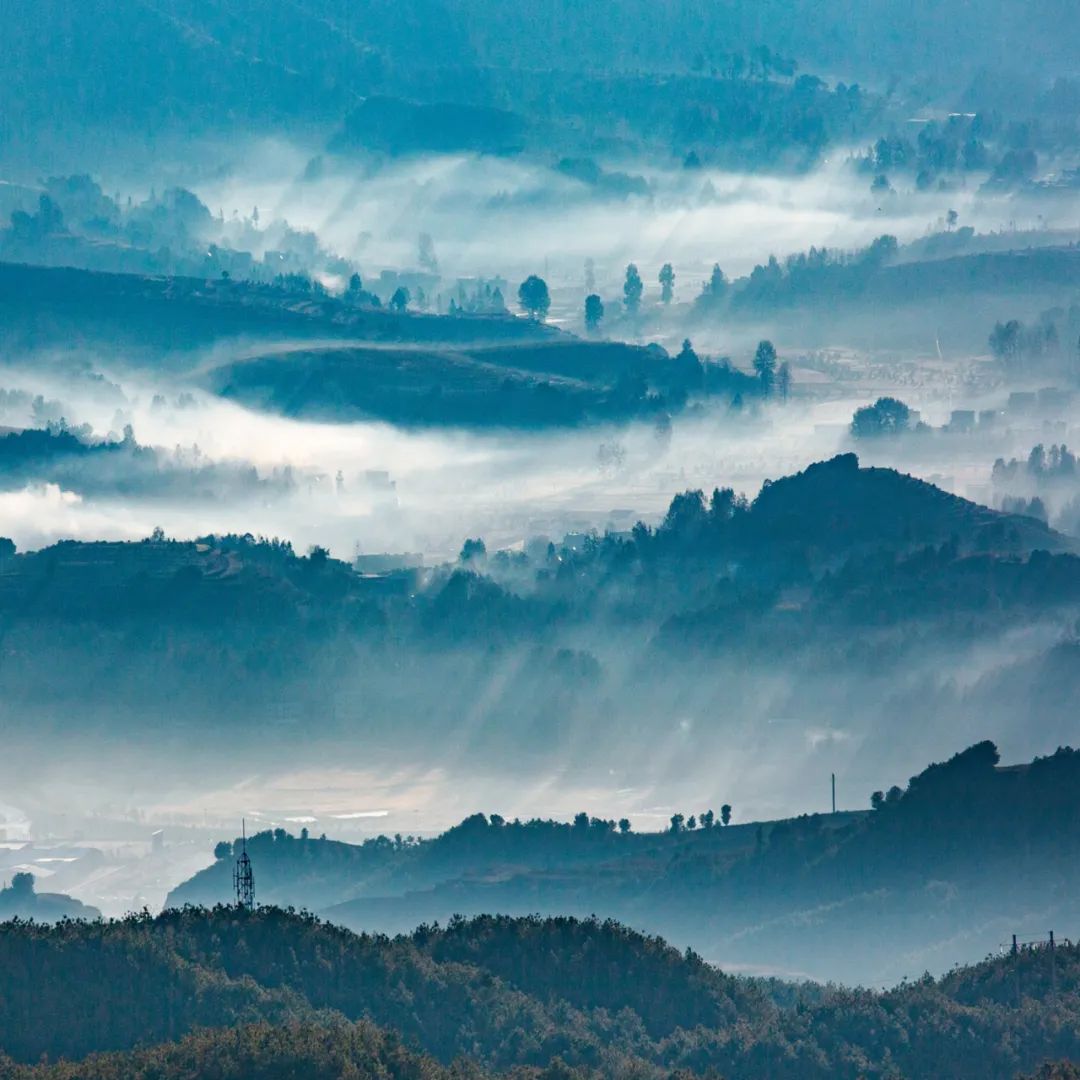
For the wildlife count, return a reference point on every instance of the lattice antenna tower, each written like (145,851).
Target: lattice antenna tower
(243,877)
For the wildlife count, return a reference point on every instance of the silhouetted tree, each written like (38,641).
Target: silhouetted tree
(765,366)
(400,300)
(783,381)
(534,298)
(594,312)
(677,823)
(725,814)
(667,283)
(624,825)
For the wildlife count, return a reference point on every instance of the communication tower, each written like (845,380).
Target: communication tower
(243,877)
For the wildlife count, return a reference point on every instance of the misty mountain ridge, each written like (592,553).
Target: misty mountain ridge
(813,555)
(184,58)
(829,511)
(944,619)
(935,872)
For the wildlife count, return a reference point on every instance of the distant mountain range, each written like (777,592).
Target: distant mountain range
(223,63)
(945,869)
(891,620)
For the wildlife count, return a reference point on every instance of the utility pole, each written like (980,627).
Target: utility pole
(1016,968)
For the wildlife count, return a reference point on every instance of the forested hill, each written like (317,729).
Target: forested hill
(844,572)
(837,506)
(963,856)
(274,994)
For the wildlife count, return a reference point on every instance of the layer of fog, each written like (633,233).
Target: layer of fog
(502,216)
(444,486)
(371,487)
(765,756)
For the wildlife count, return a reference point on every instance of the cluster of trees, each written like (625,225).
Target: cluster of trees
(1021,348)
(759,63)
(483,298)
(1027,483)
(708,820)
(535,299)
(1057,463)
(19,407)
(939,149)
(632,293)
(962,143)
(77,223)
(816,275)
(75,460)
(269,993)
(819,275)
(750,123)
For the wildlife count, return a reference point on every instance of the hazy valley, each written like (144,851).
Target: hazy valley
(529,479)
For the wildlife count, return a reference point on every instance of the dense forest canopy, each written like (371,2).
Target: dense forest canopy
(502,994)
